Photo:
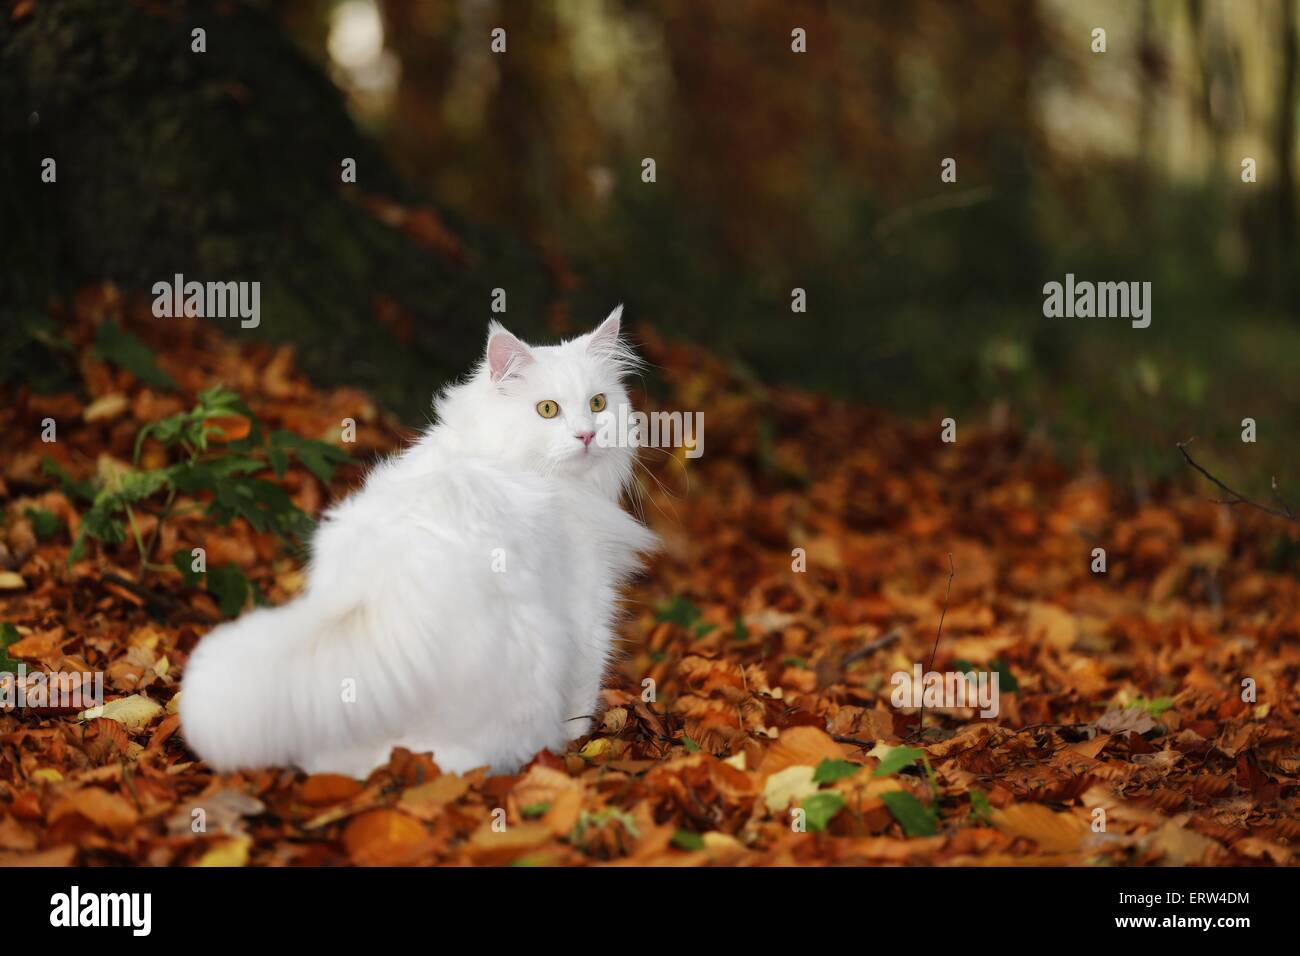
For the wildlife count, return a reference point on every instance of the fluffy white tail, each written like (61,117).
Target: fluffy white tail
(278,687)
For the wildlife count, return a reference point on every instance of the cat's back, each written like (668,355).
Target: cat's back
(438,503)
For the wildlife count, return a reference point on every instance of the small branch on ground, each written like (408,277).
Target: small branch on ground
(1234,498)
(158,604)
(871,647)
(952,570)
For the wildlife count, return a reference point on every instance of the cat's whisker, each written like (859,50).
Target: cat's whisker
(681,465)
(655,478)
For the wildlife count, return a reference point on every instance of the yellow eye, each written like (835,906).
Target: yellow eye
(547,408)
(597,402)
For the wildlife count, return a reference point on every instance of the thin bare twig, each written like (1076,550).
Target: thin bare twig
(1237,498)
(952,570)
(871,647)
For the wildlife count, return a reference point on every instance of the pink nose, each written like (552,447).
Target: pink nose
(585,438)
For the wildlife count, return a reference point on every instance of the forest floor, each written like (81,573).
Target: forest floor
(1146,714)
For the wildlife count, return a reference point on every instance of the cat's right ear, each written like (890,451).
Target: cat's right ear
(506,355)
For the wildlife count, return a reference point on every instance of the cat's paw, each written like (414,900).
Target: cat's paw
(357,762)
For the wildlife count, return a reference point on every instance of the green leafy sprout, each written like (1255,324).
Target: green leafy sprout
(226,482)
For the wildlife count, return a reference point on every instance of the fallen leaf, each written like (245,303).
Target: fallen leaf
(232,852)
(1132,720)
(1053,832)
(135,712)
(427,800)
(788,786)
(324,789)
(384,838)
(221,811)
(800,745)
(1180,846)
(106,810)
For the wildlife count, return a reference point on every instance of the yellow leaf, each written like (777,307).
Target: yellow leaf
(499,846)
(716,840)
(232,852)
(596,747)
(788,786)
(136,711)
(106,408)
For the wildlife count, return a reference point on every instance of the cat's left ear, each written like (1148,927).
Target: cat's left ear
(605,338)
(506,355)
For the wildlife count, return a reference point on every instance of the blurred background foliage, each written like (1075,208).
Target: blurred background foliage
(777,170)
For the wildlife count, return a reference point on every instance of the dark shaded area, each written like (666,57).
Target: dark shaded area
(226,165)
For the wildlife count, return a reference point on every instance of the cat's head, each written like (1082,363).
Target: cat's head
(553,409)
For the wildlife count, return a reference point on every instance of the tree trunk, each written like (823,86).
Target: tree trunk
(1286,132)
(226,165)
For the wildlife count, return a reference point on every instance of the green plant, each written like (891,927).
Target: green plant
(682,612)
(8,635)
(226,479)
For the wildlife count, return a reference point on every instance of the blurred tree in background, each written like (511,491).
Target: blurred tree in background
(775,170)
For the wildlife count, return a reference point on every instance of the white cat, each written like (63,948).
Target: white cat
(463,601)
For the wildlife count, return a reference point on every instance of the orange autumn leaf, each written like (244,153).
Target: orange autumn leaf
(806,746)
(228,428)
(384,838)
(323,789)
(105,810)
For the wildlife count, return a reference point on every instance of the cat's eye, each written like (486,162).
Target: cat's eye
(547,408)
(597,402)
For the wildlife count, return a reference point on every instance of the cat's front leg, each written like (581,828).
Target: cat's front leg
(355,762)
(584,702)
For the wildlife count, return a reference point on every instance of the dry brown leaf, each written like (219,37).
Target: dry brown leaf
(1053,832)
(108,811)
(1181,846)
(427,800)
(808,746)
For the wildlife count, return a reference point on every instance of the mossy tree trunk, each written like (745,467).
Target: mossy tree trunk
(226,165)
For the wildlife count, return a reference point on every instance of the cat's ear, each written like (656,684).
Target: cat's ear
(506,355)
(605,338)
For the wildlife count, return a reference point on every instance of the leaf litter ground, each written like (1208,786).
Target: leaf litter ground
(750,721)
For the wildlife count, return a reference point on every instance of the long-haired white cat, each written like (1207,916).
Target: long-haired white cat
(463,601)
